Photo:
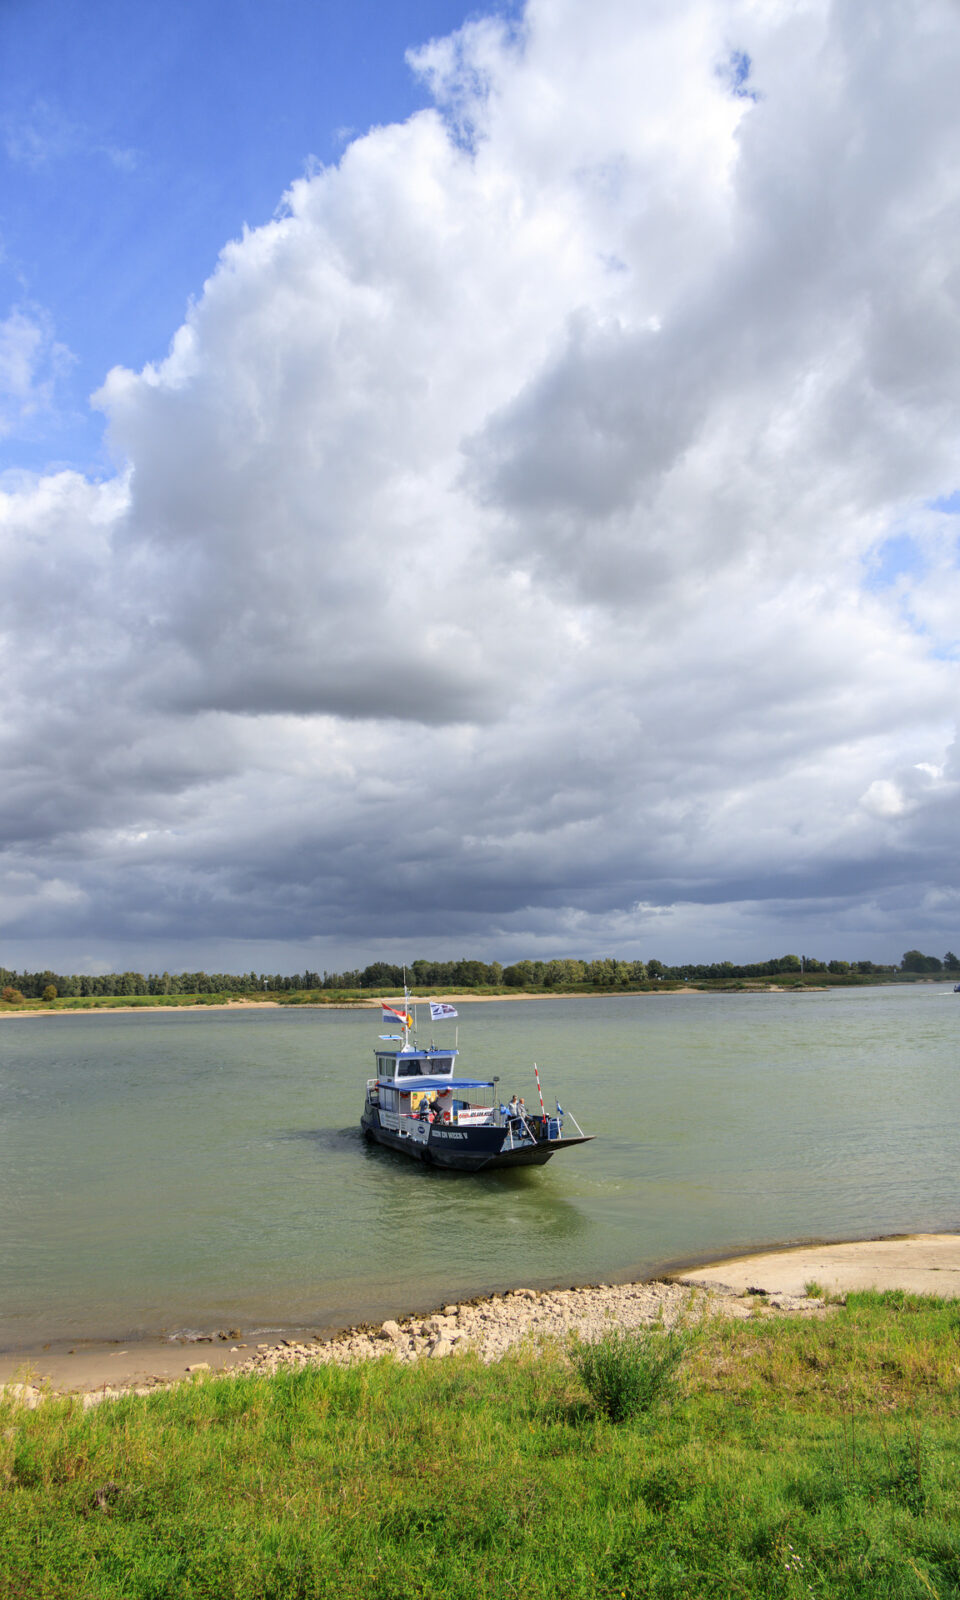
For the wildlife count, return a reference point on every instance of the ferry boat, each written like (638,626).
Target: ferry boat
(419,1104)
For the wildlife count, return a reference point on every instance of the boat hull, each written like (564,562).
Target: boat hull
(465,1149)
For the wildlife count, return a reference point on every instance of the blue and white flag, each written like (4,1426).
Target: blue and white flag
(440,1011)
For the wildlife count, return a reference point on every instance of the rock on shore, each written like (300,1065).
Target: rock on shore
(493,1326)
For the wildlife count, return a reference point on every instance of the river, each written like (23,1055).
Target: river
(203,1169)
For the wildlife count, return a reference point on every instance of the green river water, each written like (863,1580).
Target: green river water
(176,1170)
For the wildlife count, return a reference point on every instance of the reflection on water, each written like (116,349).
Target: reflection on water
(416,1186)
(206,1168)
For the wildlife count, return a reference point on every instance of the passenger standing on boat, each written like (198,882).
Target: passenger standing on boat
(514,1107)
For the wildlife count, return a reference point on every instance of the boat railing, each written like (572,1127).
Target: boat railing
(512,1142)
(540,1134)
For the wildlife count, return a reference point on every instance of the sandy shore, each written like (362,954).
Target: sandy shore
(920,1263)
(490,1326)
(119,1011)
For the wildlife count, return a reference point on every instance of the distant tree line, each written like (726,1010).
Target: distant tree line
(73,985)
(568,972)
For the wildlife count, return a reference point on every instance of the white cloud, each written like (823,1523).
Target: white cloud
(37,134)
(495,556)
(32,361)
(884,799)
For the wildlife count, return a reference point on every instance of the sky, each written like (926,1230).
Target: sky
(478,482)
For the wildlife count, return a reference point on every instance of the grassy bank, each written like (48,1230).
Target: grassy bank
(792,1458)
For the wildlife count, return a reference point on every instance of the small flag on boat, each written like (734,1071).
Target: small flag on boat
(389,1015)
(440,1010)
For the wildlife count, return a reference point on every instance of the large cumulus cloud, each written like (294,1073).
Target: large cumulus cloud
(504,549)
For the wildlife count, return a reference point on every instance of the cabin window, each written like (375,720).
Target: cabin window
(386,1065)
(410,1069)
(441,1066)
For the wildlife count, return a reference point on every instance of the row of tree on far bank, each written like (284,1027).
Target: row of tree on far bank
(561,973)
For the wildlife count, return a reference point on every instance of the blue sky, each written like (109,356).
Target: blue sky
(520,512)
(136,138)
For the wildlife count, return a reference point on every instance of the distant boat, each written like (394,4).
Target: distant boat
(956,988)
(418,1105)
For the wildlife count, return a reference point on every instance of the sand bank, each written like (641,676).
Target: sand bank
(921,1263)
(95,1010)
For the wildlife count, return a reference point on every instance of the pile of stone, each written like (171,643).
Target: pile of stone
(493,1326)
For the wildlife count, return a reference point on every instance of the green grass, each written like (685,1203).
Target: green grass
(799,1457)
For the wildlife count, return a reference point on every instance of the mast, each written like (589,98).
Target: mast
(543,1109)
(407,1014)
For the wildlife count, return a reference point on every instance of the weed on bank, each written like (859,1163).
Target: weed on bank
(785,1457)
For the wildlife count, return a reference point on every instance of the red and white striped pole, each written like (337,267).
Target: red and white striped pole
(543,1110)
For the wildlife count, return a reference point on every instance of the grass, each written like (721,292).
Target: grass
(798,1457)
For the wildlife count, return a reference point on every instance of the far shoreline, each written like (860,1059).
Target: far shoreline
(153,1006)
(74,1005)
